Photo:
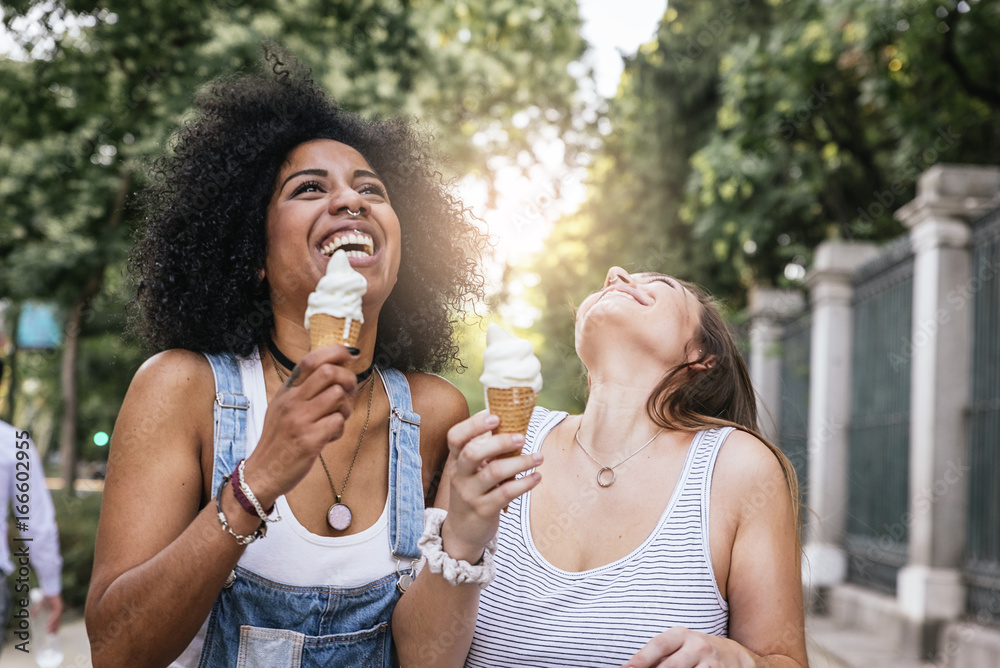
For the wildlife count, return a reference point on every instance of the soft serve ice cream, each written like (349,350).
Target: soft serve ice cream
(512,377)
(333,315)
(509,362)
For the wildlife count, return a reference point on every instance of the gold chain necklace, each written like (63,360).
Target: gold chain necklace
(339,515)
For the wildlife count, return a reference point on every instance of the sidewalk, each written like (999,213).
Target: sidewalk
(75,647)
(831,646)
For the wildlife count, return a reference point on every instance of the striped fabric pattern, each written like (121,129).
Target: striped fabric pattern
(534,614)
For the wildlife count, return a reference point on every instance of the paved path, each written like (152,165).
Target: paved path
(829,647)
(75,647)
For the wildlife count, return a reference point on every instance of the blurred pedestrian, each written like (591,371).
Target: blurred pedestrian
(23,491)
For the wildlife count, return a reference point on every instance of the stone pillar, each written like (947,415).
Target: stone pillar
(769,310)
(830,292)
(930,586)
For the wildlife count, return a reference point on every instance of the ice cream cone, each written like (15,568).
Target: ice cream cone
(512,378)
(513,405)
(328,330)
(334,313)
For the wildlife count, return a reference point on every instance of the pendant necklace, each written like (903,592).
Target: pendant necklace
(339,516)
(603,478)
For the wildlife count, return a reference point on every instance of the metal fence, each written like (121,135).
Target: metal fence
(878,454)
(793,430)
(982,567)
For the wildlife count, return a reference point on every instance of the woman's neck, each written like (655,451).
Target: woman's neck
(292,339)
(615,421)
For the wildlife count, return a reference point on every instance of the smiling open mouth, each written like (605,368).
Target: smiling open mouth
(355,244)
(622,292)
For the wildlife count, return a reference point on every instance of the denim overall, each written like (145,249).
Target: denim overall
(259,623)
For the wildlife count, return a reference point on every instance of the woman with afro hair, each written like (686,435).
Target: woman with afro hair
(263,501)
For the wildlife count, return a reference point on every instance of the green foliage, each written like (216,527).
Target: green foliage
(78,516)
(826,120)
(472,340)
(746,133)
(663,113)
(88,109)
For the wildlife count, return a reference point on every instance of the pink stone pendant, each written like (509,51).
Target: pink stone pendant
(339,516)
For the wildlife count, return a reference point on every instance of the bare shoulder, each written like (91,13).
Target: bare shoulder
(749,474)
(172,391)
(174,370)
(162,427)
(438,402)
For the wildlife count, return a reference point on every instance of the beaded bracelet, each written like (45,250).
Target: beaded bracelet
(240,479)
(242,540)
(454,571)
(240,496)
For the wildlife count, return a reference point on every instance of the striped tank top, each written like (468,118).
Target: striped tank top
(536,615)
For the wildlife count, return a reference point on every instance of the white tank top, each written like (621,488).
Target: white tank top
(290,553)
(534,615)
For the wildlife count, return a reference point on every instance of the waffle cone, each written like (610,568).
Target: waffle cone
(328,330)
(513,405)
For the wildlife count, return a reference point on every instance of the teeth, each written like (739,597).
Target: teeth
(621,292)
(351,239)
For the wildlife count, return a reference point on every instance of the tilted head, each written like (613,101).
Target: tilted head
(671,331)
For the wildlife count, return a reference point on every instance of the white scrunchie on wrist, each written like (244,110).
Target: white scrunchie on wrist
(454,571)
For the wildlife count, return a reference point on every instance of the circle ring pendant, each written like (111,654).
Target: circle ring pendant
(603,480)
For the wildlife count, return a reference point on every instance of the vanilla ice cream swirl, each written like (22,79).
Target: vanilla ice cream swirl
(509,361)
(339,292)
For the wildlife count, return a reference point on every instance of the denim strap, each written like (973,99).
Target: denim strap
(406,488)
(230,411)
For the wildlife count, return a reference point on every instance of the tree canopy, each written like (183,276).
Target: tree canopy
(93,93)
(745,133)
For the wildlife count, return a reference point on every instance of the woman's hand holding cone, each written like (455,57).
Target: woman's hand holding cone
(482,467)
(302,417)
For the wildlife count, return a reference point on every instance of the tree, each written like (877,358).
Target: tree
(663,112)
(746,133)
(97,91)
(827,120)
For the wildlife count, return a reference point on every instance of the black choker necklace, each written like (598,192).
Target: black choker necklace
(289,364)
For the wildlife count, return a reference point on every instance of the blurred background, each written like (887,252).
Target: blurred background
(827,168)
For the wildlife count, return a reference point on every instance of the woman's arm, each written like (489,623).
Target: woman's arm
(764,584)
(434,621)
(161,558)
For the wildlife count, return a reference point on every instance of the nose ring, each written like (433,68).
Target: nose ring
(354,213)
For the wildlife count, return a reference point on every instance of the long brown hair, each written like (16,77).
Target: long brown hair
(718,393)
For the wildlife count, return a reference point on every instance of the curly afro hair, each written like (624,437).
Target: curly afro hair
(202,242)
